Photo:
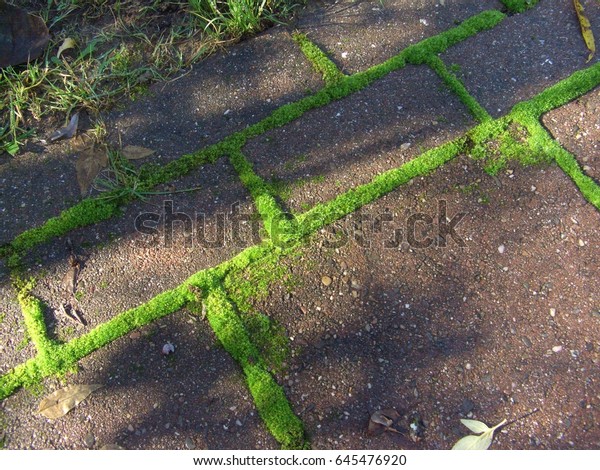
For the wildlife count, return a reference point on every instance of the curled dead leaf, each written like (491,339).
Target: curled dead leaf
(134,152)
(90,163)
(382,421)
(69,281)
(61,401)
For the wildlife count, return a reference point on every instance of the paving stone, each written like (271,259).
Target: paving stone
(123,267)
(572,127)
(219,96)
(142,388)
(332,149)
(523,55)
(360,34)
(28,189)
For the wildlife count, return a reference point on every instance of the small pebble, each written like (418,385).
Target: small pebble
(89,440)
(130,428)
(557,349)
(189,443)
(552,312)
(467,406)
(168,348)
(526,341)
(326,280)
(581,242)
(501,249)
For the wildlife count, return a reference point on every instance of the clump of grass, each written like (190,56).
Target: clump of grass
(120,49)
(122,181)
(234,19)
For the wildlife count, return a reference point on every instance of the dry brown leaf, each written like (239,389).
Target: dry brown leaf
(61,401)
(91,161)
(134,152)
(382,421)
(23,37)
(68,43)
(69,281)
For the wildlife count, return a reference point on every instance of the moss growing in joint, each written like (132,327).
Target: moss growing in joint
(519,6)
(561,93)
(261,192)
(501,141)
(273,407)
(542,142)
(33,315)
(321,63)
(324,214)
(419,53)
(455,85)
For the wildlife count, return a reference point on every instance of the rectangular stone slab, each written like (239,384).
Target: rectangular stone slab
(330,150)
(523,55)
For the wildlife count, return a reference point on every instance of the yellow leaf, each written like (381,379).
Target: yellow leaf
(68,43)
(61,401)
(475,426)
(586,29)
(481,442)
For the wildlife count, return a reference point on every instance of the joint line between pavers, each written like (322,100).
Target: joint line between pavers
(458,88)
(269,398)
(319,60)
(35,326)
(270,212)
(350,201)
(542,141)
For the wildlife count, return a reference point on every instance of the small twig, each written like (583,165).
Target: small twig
(526,415)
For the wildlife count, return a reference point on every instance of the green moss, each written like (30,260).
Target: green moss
(274,409)
(261,192)
(542,142)
(270,401)
(270,339)
(519,6)
(502,141)
(251,284)
(559,94)
(458,88)
(321,63)
(33,316)
(324,214)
